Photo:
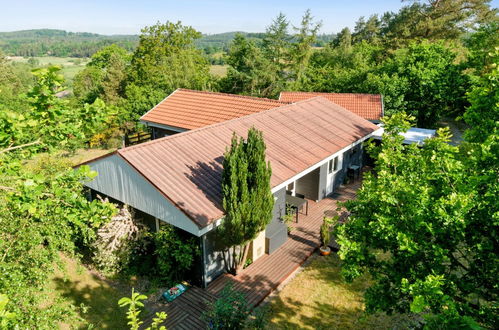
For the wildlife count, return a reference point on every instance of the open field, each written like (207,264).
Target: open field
(47,60)
(319,298)
(219,70)
(70,65)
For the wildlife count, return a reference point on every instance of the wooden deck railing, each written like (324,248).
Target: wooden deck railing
(136,138)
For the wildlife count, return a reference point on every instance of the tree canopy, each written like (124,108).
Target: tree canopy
(424,226)
(246,197)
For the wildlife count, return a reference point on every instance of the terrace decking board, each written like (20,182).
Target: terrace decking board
(263,276)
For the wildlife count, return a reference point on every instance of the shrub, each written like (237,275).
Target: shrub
(230,311)
(175,254)
(134,304)
(326,231)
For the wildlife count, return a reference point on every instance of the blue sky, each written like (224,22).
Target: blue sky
(208,16)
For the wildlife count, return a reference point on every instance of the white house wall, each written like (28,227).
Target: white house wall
(119,180)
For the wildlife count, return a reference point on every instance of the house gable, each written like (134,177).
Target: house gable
(119,180)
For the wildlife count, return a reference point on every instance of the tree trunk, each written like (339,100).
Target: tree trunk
(240,264)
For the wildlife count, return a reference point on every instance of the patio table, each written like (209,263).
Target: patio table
(297,203)
(355,169)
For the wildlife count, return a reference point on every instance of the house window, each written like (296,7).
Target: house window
(333,165)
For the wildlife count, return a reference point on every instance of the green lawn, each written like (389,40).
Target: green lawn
(318,298)
(95,297)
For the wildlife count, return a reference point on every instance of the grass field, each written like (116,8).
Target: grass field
(95,299)
(219,70)
(70,65)
(319,298)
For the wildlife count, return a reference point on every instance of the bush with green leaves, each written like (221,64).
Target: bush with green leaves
(229,311)
(7,318)
(174,253)
(425,229)
(134,304)
(43,212)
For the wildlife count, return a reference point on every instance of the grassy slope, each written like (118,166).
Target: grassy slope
(318,298)
(95,297)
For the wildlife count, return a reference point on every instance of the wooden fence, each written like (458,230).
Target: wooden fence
(136,138)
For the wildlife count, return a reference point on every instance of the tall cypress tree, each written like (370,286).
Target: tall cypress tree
(246,197)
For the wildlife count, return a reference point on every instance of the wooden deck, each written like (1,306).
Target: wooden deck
(185,312)
(264,275)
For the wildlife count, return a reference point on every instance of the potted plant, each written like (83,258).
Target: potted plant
(325,236)
(288,217)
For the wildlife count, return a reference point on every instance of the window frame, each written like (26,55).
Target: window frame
(333,165)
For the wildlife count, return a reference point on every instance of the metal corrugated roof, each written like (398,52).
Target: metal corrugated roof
(187,167)
(368,106)
(190,109)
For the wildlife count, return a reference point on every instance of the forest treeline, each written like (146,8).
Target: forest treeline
(423,60)
(429,60)
(50,42)
(60,43)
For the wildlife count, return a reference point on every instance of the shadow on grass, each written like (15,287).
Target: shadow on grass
(101,300)
(319,298)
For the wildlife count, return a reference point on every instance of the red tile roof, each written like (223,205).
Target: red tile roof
(187,167)
(190,109)
(368,106)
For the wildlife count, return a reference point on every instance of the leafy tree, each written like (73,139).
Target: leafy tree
(483,114)
(246,197)
(14,128)
(425,229)
(250,73)
(166,59)
(344,40)
(432,80)
(43,211)
(55,126)
(436,20)
(480,44)
(175,254)
(104,76)
(87,84)
(103,58)
(114,80)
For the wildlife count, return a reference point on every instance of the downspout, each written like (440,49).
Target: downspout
(382,106)
(203,249)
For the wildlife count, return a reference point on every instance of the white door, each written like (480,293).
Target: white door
(333,166)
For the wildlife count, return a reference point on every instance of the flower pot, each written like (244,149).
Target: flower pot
(325,250)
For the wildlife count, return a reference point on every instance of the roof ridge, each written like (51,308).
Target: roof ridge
(326,93)
(233,95)
(178,135)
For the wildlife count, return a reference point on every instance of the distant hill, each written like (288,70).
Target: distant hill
(221,41)
(60,43)
(43,42)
